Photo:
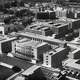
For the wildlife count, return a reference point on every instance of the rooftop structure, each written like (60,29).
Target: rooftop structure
(6,44)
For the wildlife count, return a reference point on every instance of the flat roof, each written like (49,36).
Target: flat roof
(56,50)
(5,72)
(41,37)
(6,38)
(31,70)
(45,27)
(23,40)
(72,63)
(39,25)
(78,62)
(30,43)
(23,64)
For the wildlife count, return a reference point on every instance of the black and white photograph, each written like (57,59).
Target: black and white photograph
(39,39)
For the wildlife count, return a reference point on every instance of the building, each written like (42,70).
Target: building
(46,14)
(60,11)
(73,12)
(2,29)
(59,27)
(74,53)
(72,66)
(41,28)
(55,57)
(30,49)
(37,37)
(70,28)
(6,44)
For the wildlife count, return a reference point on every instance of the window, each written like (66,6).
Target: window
(46,57)
(0,32)
(32,53)
(32,50)
(46,63)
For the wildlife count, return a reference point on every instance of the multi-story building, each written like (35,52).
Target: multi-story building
(31,50)
(65,27)
(41,28)
(55,57)
(73,12)
(41,38)
(59,27)
(74,53)
(60,11)
(62,28)
(46,14)
(72,66)
(2,29)
(6,44)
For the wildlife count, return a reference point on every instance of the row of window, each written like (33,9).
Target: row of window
(46,60)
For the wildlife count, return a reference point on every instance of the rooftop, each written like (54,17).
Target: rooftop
(30,70)
(39,24)
(23,64)
(78,62)
(5,72)
(55,51)
(41,37)
(30,43)
(6,38)
(72,64)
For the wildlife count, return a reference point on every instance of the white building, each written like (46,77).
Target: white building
(2,29)
(30,50)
